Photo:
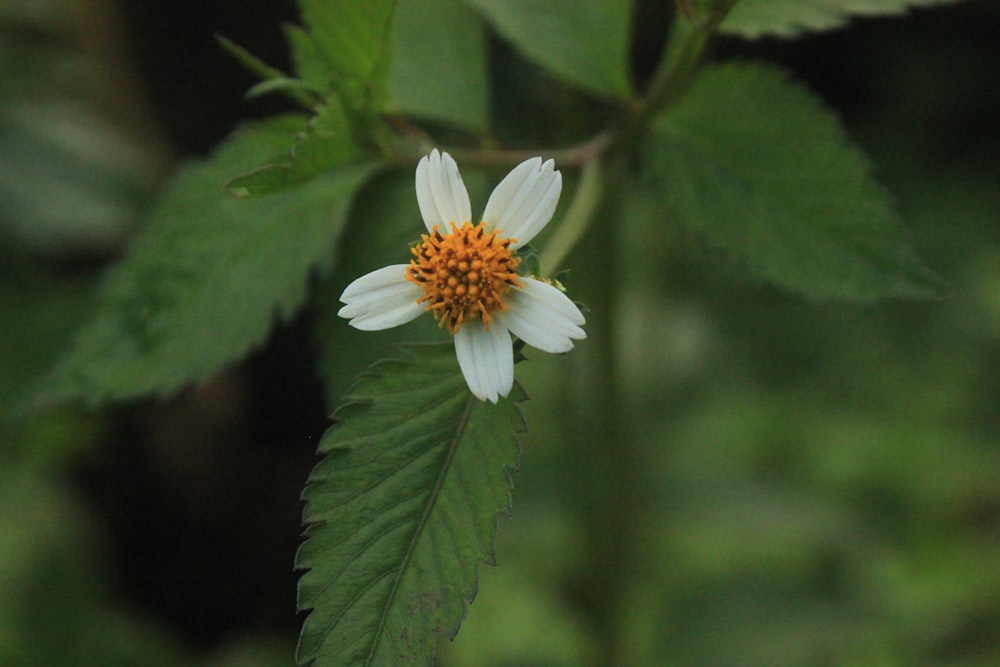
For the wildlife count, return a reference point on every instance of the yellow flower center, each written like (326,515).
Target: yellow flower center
(465,273)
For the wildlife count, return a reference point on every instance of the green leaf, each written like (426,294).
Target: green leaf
(585,42)
(354,39)
(327,142)
(439,68)
(207,277)
(301,91)
(789,18)
(273,80)
(307,60)
(756,164)
(253,64)
(402,511)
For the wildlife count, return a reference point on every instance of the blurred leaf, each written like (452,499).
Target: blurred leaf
(71,178)
(39,311)
(402,510)
(249,60)
(326,143)
(273,80)
(439,68)
(755,163)
(208,276)
(790,18)
(53,609)
(69,182)
(307,60)
(585,42)
(354,39)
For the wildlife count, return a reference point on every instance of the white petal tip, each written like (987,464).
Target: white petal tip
(486,358)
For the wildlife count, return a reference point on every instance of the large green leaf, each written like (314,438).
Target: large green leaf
(354,38)
(439,68)
(402,510)
(585,42)
(788,18)
(205,280)
(756,164)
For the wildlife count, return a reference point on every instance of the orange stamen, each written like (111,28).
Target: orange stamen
(465,273)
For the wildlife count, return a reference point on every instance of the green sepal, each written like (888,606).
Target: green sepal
(529,263)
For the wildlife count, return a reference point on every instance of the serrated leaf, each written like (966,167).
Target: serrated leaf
(585,42)
(208,276)
(326,143)
(402,511)
(789,18)
(354,39)
(439,64)
(756,164)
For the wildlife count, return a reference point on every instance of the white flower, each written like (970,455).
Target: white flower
(466,274)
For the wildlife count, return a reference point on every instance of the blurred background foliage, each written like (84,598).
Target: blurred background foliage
(806,483)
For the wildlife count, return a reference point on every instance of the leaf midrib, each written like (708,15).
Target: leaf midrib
(431,503)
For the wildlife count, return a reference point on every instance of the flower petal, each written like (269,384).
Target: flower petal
(523,203)
(381,299)
(486,357)
(542,316)
(441,193)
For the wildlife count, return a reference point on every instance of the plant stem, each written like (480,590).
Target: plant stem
(605,465)
(577,218)
(693,26)
(689,37)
